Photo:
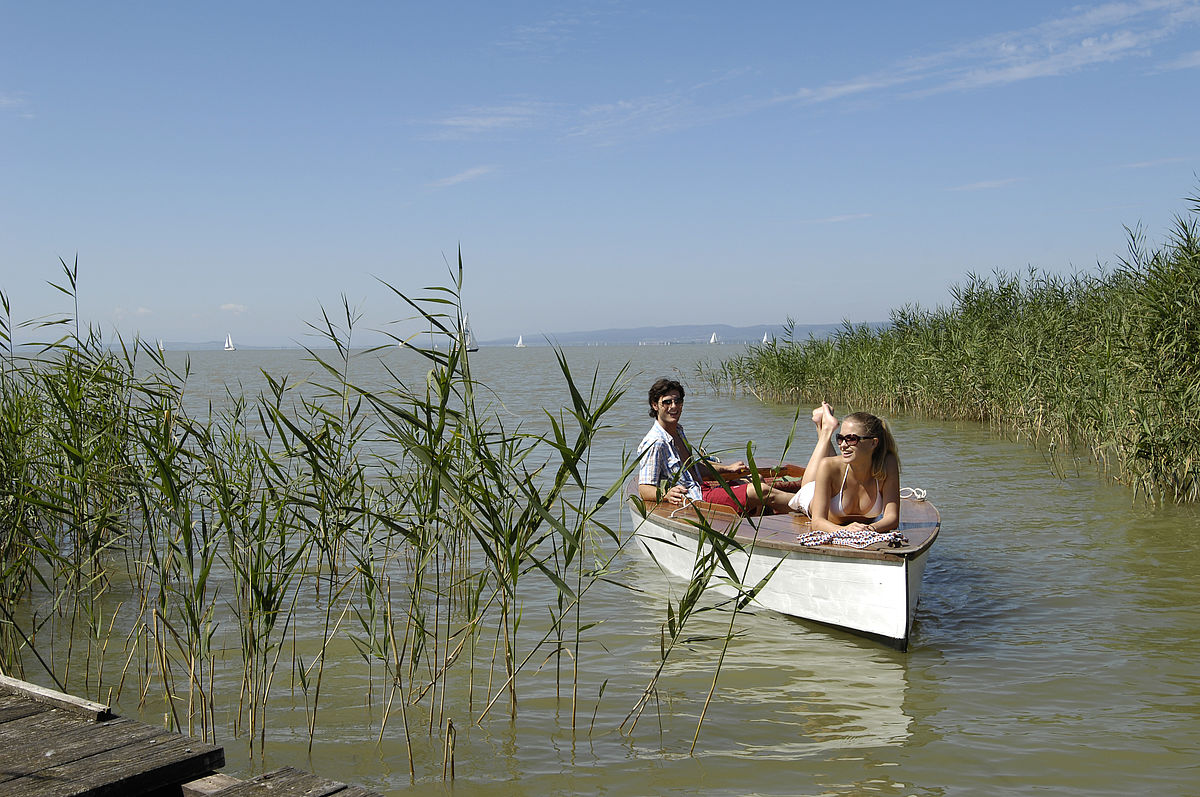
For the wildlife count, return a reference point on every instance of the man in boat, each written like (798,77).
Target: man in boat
(667,457)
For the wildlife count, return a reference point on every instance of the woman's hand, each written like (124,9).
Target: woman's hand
(856,526)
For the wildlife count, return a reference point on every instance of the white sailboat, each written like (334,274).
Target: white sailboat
(764,337)
(713,339)
(468,335)
(520,341)
(161,347)
(229,343)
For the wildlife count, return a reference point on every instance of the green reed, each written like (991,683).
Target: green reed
(1106,363)
(170,555)
(21,415)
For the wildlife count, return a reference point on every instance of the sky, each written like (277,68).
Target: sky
(242,167)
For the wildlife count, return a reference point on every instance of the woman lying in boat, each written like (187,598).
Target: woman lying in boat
(858,488)
(665,451)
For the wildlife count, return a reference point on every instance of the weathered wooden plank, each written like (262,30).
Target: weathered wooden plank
(51,745)
(13,707)
(141,767)
(87,709)
(357,791)
(285,781)
(53,739)
(289,782)
(208,786)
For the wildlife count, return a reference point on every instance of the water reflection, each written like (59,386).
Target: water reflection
(809,690)
(826,696)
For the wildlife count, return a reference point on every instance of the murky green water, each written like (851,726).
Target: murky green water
(1055,649)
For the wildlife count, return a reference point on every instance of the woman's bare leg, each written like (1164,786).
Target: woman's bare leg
(778,499)
(773,497)
(826,424)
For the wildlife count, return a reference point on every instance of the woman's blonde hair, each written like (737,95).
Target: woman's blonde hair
(873,426)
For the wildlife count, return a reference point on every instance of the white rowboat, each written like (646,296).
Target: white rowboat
(871,591)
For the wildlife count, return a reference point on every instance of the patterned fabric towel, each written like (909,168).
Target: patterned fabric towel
(853,539)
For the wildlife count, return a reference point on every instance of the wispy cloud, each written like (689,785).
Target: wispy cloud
(230,307)
(551,34)
(1153,163)
(862,84)
(15,104)
(681,108)
(463,176)
(1013,63)
(1186,61)
(837,219)
(1087,37)
(477,121)
(988,185)
(652,114)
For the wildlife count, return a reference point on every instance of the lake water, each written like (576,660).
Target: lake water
(1055,648)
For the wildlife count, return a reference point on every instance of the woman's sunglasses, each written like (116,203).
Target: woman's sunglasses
(852,439)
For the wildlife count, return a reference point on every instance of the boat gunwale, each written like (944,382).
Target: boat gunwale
(782,530)
(661,515)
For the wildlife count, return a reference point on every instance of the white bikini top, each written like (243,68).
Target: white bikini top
(835,503)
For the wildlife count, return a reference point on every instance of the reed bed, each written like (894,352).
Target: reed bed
(1105,363)
(149,551)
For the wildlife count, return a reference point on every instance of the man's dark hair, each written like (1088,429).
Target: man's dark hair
(661,388)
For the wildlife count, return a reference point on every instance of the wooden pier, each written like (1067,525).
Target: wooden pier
(56,745)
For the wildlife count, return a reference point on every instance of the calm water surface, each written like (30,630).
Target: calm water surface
(1055,650)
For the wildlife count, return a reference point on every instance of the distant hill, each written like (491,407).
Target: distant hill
(687,333)
(650,336)
(216,345)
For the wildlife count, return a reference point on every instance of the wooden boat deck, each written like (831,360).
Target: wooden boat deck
(56,745)
(919,523)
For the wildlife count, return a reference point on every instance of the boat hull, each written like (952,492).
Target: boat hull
(870,592)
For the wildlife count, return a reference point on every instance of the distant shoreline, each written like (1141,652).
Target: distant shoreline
(648,336)
(690,334)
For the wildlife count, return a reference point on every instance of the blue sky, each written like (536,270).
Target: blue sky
(235,166)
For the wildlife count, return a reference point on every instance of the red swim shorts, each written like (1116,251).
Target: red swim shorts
(717,495)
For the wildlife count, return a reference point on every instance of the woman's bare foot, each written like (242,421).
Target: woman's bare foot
(828,421)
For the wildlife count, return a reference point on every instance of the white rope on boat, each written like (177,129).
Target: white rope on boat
(915,493)
(685,505)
